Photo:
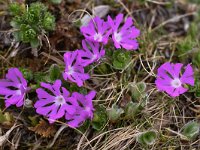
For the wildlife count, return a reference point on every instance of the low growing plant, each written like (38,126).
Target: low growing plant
(191,130)
(30,23)
(147,138)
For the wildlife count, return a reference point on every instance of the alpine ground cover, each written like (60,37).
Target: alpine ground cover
(126,80)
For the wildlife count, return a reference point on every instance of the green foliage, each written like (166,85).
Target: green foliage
(132,109)
(193,30)
(137,90)
(55,1)
(48,21)
(121,59)
(28,74)
(190,46)
(197,93)
(30,23)
(185,46)
(84,126)
(102,68)
(39,77)
(196,59)
(114,113)
(100,118)
(33,120)
(16,9)
(191,130)
(196,87)
(54,72)
(194,1)
(147,138)
(6,118)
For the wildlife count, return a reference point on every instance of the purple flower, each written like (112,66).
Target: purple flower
(84,109)
(92,51)
(97,30)
(124,36)
(14,88)
(53,102)
(170,79)
(74,71)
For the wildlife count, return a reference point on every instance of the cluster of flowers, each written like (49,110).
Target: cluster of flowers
(55,101)
(97,34)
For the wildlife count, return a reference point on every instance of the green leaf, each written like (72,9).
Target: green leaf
(35,43)
(27,34)
(197,93)
(147,138)
(191,130)
(121,59)
(54,72)
(84,126)
(38,8)
(100,118)
(17,36)
(28,74)
(31,17)
(132,109)
(14,24)
(38,78)
(56,1)
(102,68)
(48,22)
(137,90)
(114,113)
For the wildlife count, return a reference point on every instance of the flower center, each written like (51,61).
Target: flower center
(18,92)
(176,83)
(22,89)
(70,70)
(98,37)
(59,100)
(87,109)
(117,36)
(94,57)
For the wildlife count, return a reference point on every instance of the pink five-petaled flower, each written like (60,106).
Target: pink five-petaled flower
(74,71)
(14,88)
(54,102)
(124,36)
(97,30)
(170,80)
(92,51)
(84,109)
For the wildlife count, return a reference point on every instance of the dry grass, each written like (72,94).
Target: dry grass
(163,25)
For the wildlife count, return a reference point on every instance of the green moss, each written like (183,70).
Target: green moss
(120,59)
(30,23)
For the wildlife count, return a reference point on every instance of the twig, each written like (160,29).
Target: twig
(56,135)
(174,19)
(159,3)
